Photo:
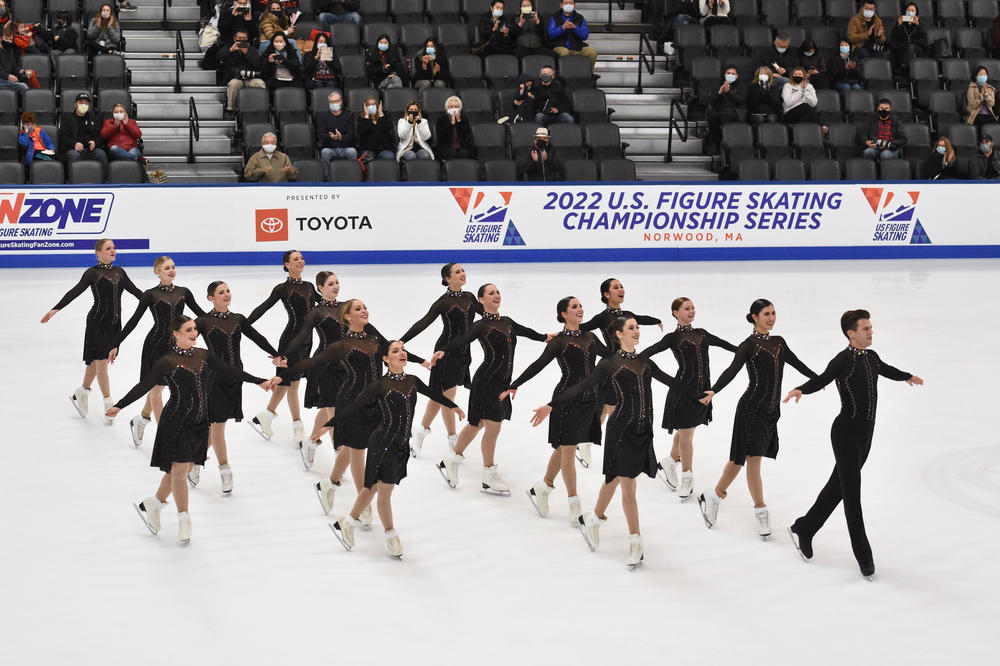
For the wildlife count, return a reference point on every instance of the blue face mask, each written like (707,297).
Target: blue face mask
(781,49)
(383,47)
(986,148)
(845,49)
(981,79)
(730,78)
(430,50)
(941,150)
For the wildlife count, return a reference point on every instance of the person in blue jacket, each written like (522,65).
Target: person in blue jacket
(567,32)
(34,140)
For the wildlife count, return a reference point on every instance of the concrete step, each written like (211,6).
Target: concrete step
(643,145)
(597,12)
(159,41)
(206,145)
(648,96)
(164,60)
(201,94)
(685,174)
(703,161)
(609,43)
(179,130)
(165,77)
(625,73)
(199,173)
(171,110)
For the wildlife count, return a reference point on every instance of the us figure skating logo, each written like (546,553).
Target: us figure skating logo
(895,216)
(487,216)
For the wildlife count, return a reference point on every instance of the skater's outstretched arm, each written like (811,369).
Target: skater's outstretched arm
(192,303)
(892,373)
(156,374)
(837,367)
(525,332)
(256,337)
(715,341)
(437,396)
(383,345)
(794,361)
(234,374)
(743,354)
(646,320)
(129,286)
(551,350)
(333,353)
(423,322)
(130,325)
(672,381)
(373,391)
(666,342)
(602,371)
(259,311)
(602,349)
(473,333)
(595,322)
(85,281)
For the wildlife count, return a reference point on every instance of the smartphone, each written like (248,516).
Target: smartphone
(907,19)
(244,45)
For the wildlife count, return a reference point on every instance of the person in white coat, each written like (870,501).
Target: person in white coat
(798,99)
(714,12)
(414,134)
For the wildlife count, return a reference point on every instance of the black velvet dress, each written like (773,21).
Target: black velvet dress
(604,321)
(164,303)
(182,433)
(223,332)
(690,347)
(322,380)
(457,310)
(104,321)
(755,426)
(576,353)
(298,297)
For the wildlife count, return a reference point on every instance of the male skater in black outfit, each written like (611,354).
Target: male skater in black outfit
(856,371)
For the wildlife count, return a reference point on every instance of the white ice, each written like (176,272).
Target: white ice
(484,579)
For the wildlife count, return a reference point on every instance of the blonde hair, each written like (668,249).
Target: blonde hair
(345,309)
(453,98)
(160,261)
(101,242)
(766,70)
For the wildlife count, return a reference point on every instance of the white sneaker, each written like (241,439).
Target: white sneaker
(452,441)
(79,399)
(686,488)
(666,471)
(449,468)
(194,476)
(417,441)
(262,423)
(635,554)
(184,528)
(366,519)
(108,404)
(539,496)
(343,529)
(307,450)
(763,522)
(149,510)
(574,512)
(493,484)
(590,527)
(226,476)
(298,432)
(325,490)
(709,504)
(583,451)
(392,544)
(138,426)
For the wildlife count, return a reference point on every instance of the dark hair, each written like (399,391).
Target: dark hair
(482,290)
(446,273)
(676,305)
(278,34)
(100,244)
(849,320)
(619,325)
(605,286)
(431,39)
(756,307)
(731,67)
(285,258)
(493,2)
(384,36)
(178,322)
(980,69)
(415,103)
(324,35)
(561,307)
(390,344)
(212,286)
(914,5)
(321,278)
(65,16)
(808,45)
(884,101)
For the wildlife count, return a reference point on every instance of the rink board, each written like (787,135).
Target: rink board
(412,223)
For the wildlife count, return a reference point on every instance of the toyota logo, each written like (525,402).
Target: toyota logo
(271,225)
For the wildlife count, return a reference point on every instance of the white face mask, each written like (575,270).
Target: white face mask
(269,148)
(454,111)
(762,78)
(335,106)
(568,9)
(119,116)
(497,13)
(372,109)
(910,12)
(868,13)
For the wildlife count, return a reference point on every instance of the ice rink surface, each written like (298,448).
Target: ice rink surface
(484,580)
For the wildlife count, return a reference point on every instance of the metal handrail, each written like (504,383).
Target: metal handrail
(649,62)
(194,128)
(180,56)
(672,126)
(163,20)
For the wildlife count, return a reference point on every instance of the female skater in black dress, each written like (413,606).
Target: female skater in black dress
(323,380)
(690,346)
(223,332)
(164,301)
(359,356)
(388,445)
(298,297)
(628,445)
(498,337)
(104,321)
(457,310)
(576,353)
(182,431)
(755,426)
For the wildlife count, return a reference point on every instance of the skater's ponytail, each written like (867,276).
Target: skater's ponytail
(756,307)
(561,307)
(212,286)
(446,273)
(605,287)
(676,305)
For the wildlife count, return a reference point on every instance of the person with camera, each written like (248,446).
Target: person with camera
(12,75)
(268,164)
(430,66)
(30,38)
(385,66)
(884,137)
(551,101)
(321,67)
(454,134)
(337,11)
(104,35)
(778,57)
(866,33)
(414,134)
(567,32)
(495,35)
(542,162)
(335,133)
(908,39)
(275,19)
(529,32)
(35,141)
(80,134)
(281,67)
(243,65)
(524,100)
(236,17)
(375,139)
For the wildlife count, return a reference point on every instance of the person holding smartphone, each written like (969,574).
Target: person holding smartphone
(414,134)
(430,66)
(34,140)
(908,38)
(529,32)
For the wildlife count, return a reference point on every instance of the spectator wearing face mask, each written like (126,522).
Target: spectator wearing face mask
(530,34)
(524,101)
(814,64)
(714,12)
(242,65)
(30,39)
(779,58)
(281,67)
(238,16)
(942,162)
(798,99)
(104,35)
(728,104)
(65,39)
(430,66)
(12,75)
(4,14)
(552,104)
(335,133)
(121,134)
(568,32)
(764,98)
(884,138)
(843,69)
(321,67)
(385,67)
(866,33)
(980,98)
(414,134)
(495,35)
(454,134)
(36,143)
(908,39)
(986,164)
(542,162)
(375,140)
(337,11)
(275,19)
(268,164)
(80,134)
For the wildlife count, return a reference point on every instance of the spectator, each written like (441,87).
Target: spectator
(30,39)
(321,67)
(430,66)
(454,134)
(104,35)
(986,164)
(814,64)
(994,38)
(728,104)
(126,6)
(385,67)
(65,39)
(908,39)
(338,11)
(335,133)
(80,134)
(4,14)
(269,164)
(12,75)
(884,137)
(779,58)
(236,18)
(494,32)
(375,138)
(942,162)
(980,99)
(121,135)
(281,67)
(275,20)
(414,134)
(551,101)
(798,99)
(714,12)
(843,69)
(542,162)
(567,32)
(866,33)
(34,140)
(242,65)
(529,32)
(524,100)
(764,98)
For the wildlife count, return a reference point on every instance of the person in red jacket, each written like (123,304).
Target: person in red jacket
(122,134)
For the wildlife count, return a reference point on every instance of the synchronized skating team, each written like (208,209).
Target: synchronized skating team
(371,413)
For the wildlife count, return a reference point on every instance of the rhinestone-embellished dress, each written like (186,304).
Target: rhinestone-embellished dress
(164,303)
(322,381)
(457,310)
(298,297)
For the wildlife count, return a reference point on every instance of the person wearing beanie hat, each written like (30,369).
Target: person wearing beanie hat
(80,134)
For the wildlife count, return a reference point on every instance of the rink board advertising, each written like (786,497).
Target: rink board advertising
(58,226)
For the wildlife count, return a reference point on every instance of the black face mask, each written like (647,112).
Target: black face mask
(883,114)
(796,79)
(546,78)
(541,145)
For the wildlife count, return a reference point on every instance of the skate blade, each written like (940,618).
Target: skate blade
(136,442)
(76,406)
(663,478)
(413,452)
(486,490)
(184,543)
(192,482)
(142,515)
(684,498)
(871,579)
(108,422)
(304,455)
(340,537)
(398,558)
(581,460)
(633,567)
(701,508)
(366,528)
(583,532)
(444,475)
(257,429)
(531,498)
(319,496)
(795,542)
(763,537)
(227,493)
